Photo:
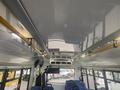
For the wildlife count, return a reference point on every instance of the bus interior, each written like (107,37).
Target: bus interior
(59,44)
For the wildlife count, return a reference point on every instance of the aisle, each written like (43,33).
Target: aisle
(59,86)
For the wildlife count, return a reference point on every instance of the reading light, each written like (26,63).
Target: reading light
(117,38)
(43,55)
(15,36)
(83,55)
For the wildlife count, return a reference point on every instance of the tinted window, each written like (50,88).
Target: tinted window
(109,75)
(117,76)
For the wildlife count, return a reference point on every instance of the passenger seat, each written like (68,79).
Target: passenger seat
(49,87)
(36,88)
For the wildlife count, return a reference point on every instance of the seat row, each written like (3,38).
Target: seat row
(75,85)
(49,87)
(36,88)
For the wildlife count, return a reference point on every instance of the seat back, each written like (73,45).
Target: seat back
(49,87)
(36,88)
(75,85)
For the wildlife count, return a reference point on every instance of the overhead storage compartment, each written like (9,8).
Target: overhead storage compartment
(106,58)
(98,32)
(112,21)
(13,51)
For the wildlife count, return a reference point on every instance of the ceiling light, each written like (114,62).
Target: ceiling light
(65,25)
(117,38)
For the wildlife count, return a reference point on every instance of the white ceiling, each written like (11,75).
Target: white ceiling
(69,19)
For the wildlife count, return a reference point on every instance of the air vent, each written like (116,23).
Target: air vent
(61,63)
(52,62)
(57,62)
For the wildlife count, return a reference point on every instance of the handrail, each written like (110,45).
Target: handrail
(104,41)
(11,28)
(106,47)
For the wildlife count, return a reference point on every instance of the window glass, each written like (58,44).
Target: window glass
(17,74)
(11,85)
(1,75)
(96,73)
(25,75)
(113,85)
(25,79)
(88,71)
(100,73)
(100,83)
(91,82)
(28,72)
(83,71)
(11,75)
(109,75)
(85,81)
(65,74)
(24,72)
(91,72)
(117,76)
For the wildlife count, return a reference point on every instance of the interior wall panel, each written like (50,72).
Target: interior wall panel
(84,43)
(90,40)
(98,32)
(112,21)
(3,14)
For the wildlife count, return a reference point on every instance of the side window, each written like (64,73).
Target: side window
(17,74)
(25,79)
(109,75)
(100,74)
(11,82)
(116,76)
(96,73)
(91,72)
(1,77)
(11,74)
(91,80)
(113,84)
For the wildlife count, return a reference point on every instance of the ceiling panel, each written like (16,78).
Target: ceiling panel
(73,18)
